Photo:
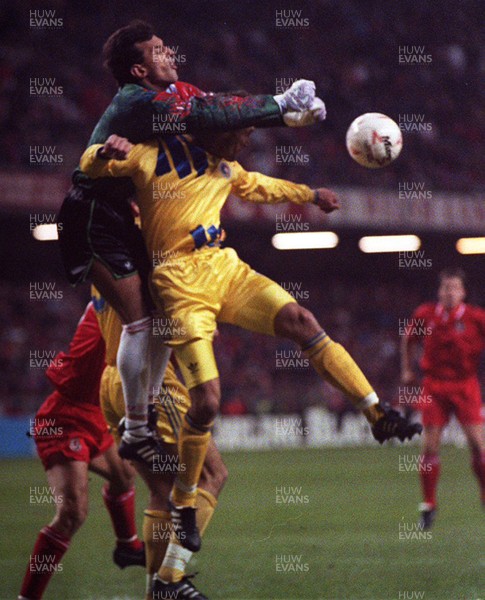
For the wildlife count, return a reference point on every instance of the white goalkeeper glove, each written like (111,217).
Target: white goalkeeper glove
(316,113)
(298,97)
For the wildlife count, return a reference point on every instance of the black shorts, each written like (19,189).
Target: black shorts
(92,227)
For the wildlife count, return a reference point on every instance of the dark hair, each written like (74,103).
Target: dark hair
(453,272)
(120,52)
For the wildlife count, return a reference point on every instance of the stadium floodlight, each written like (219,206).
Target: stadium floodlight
(475,245)
(389,243)
(45,232)
(305,240)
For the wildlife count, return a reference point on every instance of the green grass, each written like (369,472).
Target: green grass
(347,534)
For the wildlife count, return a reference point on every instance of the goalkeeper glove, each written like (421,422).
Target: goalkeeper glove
(298,97)
(316,113)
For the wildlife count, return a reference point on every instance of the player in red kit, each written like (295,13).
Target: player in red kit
(452,334)
(72,437)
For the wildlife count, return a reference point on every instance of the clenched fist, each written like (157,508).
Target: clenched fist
(326,200)
(115,147)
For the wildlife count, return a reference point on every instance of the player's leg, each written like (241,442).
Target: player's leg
(259,304)
(467,402)
(195,436)
(119,499)
(68,479)
(430,469)
(206,276)
(329,359)
(435,415)
(171,575)
(166,557)
(102,243)
(126,296)
(172,403)
(156,520)
(142,357)
(157,523)
(474,436)
(197,363)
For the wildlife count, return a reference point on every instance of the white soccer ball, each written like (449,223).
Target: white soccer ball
(374,140)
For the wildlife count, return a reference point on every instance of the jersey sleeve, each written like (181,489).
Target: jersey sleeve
(262,189)
(199,112)
(480,317)
(94,166)
(412,330)
(218,112)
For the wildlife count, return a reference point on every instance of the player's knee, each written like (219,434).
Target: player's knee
(431,448)
(72,514)
(206,411)
(120,482)
(296,323)
(205,402)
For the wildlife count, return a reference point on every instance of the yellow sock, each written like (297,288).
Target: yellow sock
(157,527)
(177,557)
(192,447)
(334,364)
(205,504)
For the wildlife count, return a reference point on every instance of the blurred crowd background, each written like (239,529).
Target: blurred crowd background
(351,49)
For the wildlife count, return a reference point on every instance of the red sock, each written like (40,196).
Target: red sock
(122,512)
(44,562)
(430,473)
(478,464)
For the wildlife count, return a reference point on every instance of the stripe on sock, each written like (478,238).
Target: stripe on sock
(137,326)
(314,340)
(201,428)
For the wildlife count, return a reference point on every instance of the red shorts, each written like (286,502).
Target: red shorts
(66,430)
(462,398)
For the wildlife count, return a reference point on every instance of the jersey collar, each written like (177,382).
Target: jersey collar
(455,314)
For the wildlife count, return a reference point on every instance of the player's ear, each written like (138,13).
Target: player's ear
(138,71)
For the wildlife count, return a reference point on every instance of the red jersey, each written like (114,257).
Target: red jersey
(77,373)
(452,341)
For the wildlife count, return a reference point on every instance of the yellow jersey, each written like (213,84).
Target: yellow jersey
(181,190)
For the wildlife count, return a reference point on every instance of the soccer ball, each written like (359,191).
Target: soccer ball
(374,140)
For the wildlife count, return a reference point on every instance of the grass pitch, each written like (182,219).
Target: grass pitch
(333,524)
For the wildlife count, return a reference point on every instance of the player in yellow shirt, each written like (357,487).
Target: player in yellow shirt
(181,189)
(166,559)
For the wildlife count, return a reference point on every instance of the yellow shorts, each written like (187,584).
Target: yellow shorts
(172,403)
(209,286)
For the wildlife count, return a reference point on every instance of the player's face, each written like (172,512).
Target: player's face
(158,63)
(229,144)
(451,292)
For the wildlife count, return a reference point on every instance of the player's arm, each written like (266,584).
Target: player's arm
(256,187)
(410,347)
(219,112)
(117,157)
(480,315)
